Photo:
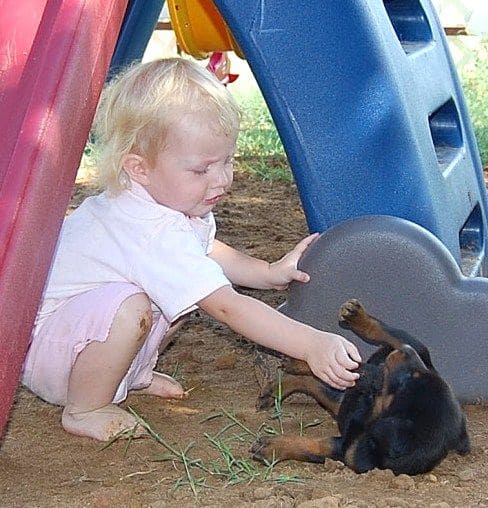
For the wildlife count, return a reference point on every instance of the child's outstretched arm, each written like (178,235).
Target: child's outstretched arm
(248,271)
(329,356)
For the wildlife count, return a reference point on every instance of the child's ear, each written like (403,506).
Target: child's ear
(136,168)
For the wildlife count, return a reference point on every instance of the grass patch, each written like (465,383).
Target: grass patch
(270,168)
(228,467)
(474,79)
(258,137)
(260,151)
(278,401)
(259,147)
(235,470)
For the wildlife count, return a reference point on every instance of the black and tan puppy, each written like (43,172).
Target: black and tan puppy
(400,415)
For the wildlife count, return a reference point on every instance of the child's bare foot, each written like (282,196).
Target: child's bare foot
(164,386)
(102,424)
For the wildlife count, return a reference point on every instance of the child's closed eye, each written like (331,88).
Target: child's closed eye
(201,170)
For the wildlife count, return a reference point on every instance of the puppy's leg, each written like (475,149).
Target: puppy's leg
(269,449)
(297,367)
(353,316)
(329,398)
(463,444)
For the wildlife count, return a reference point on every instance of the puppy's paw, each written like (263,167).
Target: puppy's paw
(267,397)
(264,450)
(351,314)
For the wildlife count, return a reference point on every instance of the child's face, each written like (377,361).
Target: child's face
(194,171)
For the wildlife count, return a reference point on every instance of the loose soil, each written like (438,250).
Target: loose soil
(43,466)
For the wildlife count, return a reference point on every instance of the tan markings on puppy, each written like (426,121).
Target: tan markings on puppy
(381,404)
(297,367)
(394,360)
(304,448)
(297,448)
(361,323)
(298,384)
(374,331)
(350,454)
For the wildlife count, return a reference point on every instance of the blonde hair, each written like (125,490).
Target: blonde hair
(139,105)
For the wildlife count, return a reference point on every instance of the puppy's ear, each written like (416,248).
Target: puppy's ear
(136,168)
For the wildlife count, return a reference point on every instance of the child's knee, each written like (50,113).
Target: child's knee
(135,315)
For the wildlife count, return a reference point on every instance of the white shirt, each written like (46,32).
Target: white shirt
(132,238)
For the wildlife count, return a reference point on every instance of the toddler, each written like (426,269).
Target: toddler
(133,260)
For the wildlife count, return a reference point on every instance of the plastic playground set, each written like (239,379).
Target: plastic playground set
(374,123)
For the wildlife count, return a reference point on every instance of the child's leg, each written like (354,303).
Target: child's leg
(99,369)
(91,351)
(163,385)
(101,366)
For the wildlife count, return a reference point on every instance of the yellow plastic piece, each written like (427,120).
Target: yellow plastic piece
(200,29)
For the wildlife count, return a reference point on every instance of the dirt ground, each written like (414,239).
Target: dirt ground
(42,466)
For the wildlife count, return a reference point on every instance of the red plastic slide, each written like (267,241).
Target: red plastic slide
(54,56)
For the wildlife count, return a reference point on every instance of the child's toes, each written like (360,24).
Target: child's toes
(164,386)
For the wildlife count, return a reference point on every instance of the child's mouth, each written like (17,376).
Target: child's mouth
(214,200)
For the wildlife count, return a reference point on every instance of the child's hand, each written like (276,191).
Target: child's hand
(283,271)
(331,358)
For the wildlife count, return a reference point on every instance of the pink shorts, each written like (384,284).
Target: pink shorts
(59,338)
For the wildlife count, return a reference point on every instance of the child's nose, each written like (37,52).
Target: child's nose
(224,178)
